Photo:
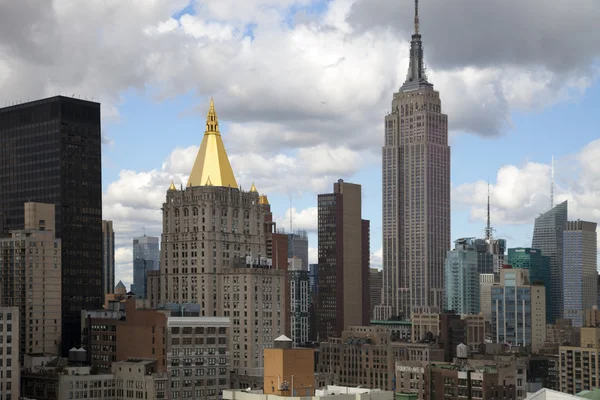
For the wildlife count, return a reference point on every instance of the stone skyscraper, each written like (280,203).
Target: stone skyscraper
(416,194)
(219,250)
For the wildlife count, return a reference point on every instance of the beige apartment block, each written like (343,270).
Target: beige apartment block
(592,317)
(578,369)
(475,331)
(366,355)
(486,281)
(198,362)
(9,353)
(424,323)
(253,299)
(62,379)
(30,266)
(77,382)
(137,378)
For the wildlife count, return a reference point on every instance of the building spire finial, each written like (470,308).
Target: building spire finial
(416,17)
(416,76)
(212,166)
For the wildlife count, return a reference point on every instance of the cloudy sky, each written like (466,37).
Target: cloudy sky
(302,87)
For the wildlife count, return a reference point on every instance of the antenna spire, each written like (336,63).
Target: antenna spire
(488,230)
(552,183)
(416,76)
(416,17)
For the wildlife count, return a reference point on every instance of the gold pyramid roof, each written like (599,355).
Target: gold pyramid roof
(172,187)
(253,188)
(263,199)
(212,165)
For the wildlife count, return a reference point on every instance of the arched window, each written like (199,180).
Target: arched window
(177,212)
(186,212)
(195,211)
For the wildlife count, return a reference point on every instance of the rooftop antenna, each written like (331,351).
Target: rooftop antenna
(416,17)
(552,183)
(144,230)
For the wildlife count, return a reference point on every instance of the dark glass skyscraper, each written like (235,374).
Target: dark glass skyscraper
(548,233)
(50,152)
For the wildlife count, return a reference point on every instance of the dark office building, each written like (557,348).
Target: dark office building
(453,331)
(50,152)
(343,277)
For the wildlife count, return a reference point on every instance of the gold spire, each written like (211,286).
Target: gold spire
(172,187)
(263,199)
(212,158)
(253,188)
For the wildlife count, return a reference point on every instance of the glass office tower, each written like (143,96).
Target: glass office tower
(146,257)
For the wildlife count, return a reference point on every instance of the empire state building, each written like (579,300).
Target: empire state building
(416,194)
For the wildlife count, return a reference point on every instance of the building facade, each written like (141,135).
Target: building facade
(375,284)
(416,194)
(108,257)
(298,246)
(30,272)
(125,330)
(579,365)
(253,297)
(474,331)
(462,289)
(50,152)
(343,265)
(538,266)
(289,371)
(365,356)
(146,258)
(486,281)
(580,260)
(518,310)
(548,237)
(425,327)
(135,378)
(198,362)
(492,381)
(299,294)
(9,353)
(61,379)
